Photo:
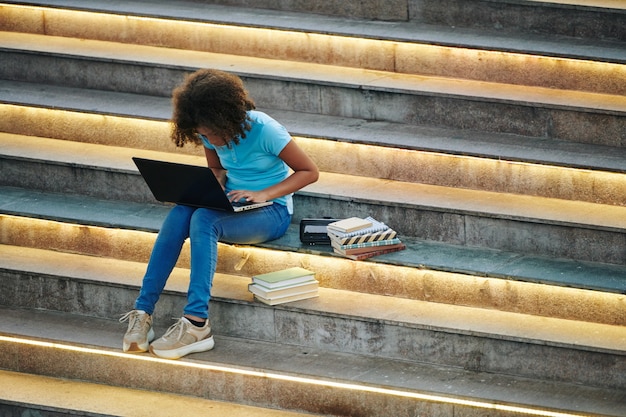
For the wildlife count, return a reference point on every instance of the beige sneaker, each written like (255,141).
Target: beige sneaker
(183,338)
(139,333)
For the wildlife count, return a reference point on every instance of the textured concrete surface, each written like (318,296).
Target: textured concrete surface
(368,52)
(420,253)
(475,314)
(141,120)
(284,359)
(482,340)
(455,216)
(428,30)
(414,99)
(46,395)
(384,163)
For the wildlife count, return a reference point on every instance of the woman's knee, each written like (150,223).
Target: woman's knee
(204,221)
(177,222)
(179,216)
(183,211)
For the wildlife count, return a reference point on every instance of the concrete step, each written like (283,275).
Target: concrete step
(592,19)
(523,355)
(497,163)
(344,322)
(533,225)
(322,89)
(274,375)
(44,396)
(425,271)
(67,105)
(339,42)
(425,29)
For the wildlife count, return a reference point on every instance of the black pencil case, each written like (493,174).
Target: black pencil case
(314,231)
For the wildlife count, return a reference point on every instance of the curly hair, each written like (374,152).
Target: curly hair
(213,99)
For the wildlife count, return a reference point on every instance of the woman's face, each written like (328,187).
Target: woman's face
(214,139)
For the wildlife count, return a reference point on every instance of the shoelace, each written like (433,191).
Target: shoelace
(133,318)
(180,325)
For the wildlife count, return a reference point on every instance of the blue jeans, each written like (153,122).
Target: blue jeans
(204,227)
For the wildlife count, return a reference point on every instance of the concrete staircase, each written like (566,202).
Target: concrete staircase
(490,134)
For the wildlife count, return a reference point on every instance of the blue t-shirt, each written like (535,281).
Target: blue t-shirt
(253,164)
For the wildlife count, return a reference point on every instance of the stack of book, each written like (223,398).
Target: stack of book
(357,238)
(284,286)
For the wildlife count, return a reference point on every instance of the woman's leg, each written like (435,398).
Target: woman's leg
(210,226)
(164,256)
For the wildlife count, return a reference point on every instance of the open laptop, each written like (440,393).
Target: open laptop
(188,185)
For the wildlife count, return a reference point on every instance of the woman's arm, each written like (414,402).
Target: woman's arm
(214,163)
(304,169)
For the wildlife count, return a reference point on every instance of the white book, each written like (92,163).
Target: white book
(261,291)
(376,226)
(287,299)
(350,224)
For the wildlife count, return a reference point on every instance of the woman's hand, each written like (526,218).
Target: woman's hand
(247,196)
(304,172)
